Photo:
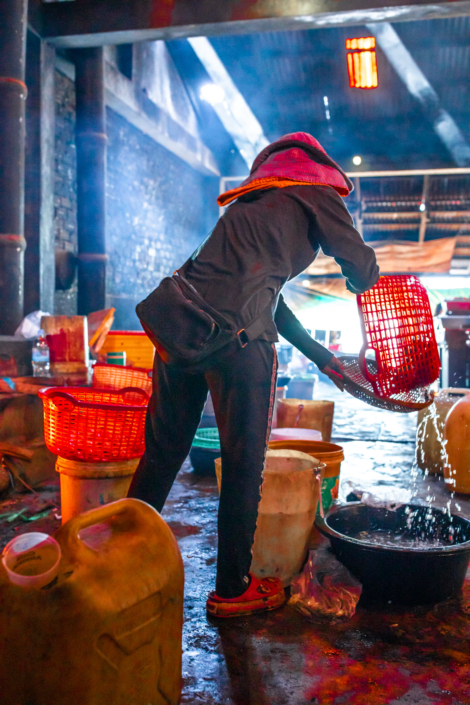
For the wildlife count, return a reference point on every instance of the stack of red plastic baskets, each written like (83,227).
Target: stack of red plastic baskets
(120,377)
(397,325)
(94,425)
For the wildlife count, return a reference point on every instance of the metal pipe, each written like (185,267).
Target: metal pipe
(451,171)
(39,261)
(413,226)
(415,215)
(91,142)
(13,93)
(391,215)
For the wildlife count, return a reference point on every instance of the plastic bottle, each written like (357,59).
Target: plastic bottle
(40,356)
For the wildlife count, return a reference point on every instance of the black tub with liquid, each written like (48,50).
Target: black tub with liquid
(414,555)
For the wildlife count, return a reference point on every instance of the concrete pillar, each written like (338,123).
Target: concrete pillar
(13,18)
(91,179)
(39,182)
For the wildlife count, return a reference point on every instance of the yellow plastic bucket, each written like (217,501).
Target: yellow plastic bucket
(85,486)
(137,345)
(289,498)
(305,413)
(330,454)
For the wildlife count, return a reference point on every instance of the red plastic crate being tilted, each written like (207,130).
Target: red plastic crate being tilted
(119,377)
(397,325)
(94,425)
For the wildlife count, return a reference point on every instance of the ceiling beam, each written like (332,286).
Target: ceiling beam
(233,111)
(96,22)
(420,88)
(391,173)
(120,96)
(153,121)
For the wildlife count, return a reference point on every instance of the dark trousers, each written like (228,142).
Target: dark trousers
(242,383)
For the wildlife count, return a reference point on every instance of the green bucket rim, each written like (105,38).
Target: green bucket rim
(207,438)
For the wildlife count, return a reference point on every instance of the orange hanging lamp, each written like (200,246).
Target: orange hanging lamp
(362,62)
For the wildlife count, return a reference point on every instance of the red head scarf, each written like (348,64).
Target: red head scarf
(297,158)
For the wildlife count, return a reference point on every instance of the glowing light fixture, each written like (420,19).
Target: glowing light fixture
(362,62)
(357,160)
(327,113)
(212,93)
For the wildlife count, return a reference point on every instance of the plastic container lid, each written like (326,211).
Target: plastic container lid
(207,438)
(297,434)
(32,560)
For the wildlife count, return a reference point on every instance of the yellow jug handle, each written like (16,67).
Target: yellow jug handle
(73,547)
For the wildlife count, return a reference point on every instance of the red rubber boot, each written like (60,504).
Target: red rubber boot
(262,595)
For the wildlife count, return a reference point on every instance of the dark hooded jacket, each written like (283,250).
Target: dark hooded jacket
(265,239)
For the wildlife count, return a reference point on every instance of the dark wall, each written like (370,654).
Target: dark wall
(65,184)
(158,209)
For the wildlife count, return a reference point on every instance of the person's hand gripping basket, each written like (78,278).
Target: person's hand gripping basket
(398,328)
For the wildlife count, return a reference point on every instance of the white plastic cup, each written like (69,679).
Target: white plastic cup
(32,560)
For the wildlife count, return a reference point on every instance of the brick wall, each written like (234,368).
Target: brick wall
(65,184)
(158,211)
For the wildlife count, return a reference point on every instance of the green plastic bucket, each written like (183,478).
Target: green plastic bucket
(327,485)
(207,438)
(204,450)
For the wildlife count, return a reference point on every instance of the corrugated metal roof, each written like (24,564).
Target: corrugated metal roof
(284,76)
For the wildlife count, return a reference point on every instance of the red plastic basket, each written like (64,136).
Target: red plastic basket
(397,325)
(119,377)
(94,425)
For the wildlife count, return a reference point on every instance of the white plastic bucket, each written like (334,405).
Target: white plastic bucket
(32,560)
(295,434)
(289,499)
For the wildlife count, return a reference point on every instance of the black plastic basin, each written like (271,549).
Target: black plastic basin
(400,574)
(202,460)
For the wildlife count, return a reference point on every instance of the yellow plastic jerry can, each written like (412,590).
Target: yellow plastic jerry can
(457,435)
(107,630)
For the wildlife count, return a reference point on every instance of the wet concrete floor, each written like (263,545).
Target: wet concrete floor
(382,656)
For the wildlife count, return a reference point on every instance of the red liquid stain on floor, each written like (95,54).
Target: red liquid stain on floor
(382,656)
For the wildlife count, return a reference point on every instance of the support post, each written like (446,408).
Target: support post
(424,213)
(13,14)
(39,184)
(91,179)
(357,191)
